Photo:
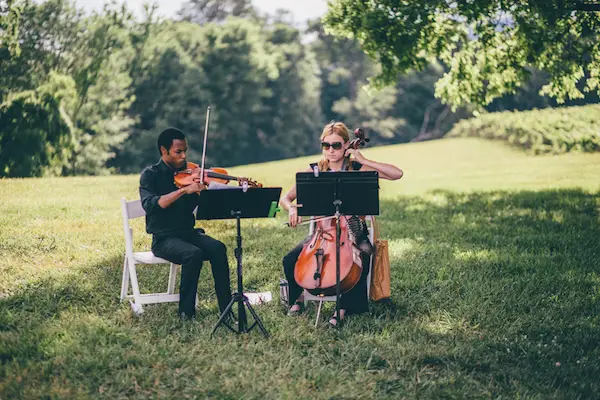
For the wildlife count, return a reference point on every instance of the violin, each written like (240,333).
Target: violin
(315,268)
(198,174)
(193,171)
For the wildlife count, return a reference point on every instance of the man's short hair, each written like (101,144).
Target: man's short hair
(166,137)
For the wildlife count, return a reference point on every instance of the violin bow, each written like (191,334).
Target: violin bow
(204,145)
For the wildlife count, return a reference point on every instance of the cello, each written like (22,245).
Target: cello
(316,267)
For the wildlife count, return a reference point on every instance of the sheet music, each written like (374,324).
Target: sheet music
(221,186)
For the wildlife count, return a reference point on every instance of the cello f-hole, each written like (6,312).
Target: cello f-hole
(317,276)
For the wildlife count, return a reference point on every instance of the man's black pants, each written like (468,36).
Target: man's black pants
(190,250)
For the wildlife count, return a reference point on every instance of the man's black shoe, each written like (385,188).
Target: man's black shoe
(185,317)
(230,319)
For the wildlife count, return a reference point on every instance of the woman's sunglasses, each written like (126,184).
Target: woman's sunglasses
(335,145)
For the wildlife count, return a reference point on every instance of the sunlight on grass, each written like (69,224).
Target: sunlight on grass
(556,216)
(480,255)
(444,323)
(399,247)
(436,199)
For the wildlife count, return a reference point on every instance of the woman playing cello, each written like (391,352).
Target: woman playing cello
(336,157)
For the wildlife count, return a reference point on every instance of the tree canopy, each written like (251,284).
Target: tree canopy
(487,45)
(205,11)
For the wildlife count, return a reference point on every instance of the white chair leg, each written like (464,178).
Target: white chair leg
(369,276)
(371,229)
(136,304)
(318,313)
(172,278)
(124,280)
(136,307)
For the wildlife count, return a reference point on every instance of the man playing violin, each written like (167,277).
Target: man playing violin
(336,157)
(170,220)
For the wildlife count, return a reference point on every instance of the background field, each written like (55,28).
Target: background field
(496,290)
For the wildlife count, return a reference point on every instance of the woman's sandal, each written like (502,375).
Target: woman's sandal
(338,321)
(297,311)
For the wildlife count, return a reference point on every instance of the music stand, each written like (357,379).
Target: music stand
(238,204)
(337,194)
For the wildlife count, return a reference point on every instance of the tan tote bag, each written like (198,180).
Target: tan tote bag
(380,276)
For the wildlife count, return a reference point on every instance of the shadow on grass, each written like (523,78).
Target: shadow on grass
(493,294)
(515,275)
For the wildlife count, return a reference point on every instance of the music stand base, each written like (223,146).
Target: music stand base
(228,204)
(239,296)
(242,322)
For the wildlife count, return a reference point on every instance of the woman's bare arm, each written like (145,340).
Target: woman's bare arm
(286,202)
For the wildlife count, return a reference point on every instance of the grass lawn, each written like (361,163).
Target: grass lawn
(495,274)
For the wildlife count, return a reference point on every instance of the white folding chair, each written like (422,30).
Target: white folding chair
(311,297)
(131,210)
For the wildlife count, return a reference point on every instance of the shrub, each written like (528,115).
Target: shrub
(550,130)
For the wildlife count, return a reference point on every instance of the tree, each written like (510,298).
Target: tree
(101,72)
(343,67)
(9,27)
(36,135)
(9,44)
(205,11)
(190,67)
(291,121)
(49,37)
(400,113)
(168,91)
(487,44)
(260,81)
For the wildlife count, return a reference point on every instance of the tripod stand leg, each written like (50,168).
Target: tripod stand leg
(256,318)
(242,318)
(224,314)
(239,296)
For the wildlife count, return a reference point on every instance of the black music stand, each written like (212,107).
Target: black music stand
(238,203)
(337,194)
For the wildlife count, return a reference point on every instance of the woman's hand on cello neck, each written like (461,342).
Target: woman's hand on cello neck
(356,154)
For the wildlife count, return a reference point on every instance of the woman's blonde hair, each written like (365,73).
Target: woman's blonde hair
(337,128)
(334,128)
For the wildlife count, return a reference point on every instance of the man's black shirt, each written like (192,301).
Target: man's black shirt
(178,218)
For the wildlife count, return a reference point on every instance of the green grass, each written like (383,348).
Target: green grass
(496,290)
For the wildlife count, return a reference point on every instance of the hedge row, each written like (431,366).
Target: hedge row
(550,130)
